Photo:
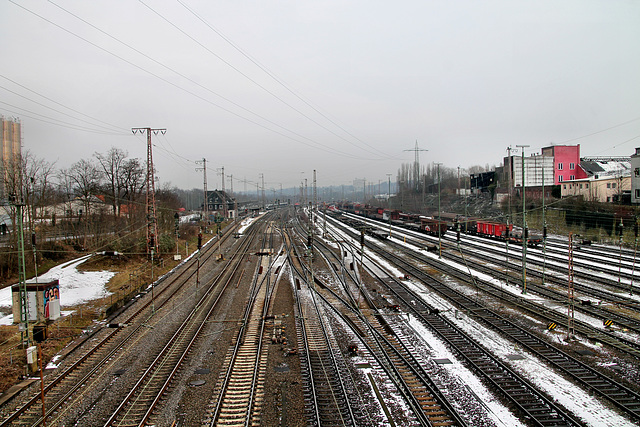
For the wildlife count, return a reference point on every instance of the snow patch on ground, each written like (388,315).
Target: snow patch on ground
(75,286)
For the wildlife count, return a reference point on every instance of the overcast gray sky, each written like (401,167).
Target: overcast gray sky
(343,87)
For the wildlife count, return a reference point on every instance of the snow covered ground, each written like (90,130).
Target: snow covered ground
(75,286)
(589,409)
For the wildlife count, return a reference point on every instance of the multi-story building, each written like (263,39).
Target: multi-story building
(566,162)
(10,139)
(608,180)
(534,168)
(635,177)
(219,204)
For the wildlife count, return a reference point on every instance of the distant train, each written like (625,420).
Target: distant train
(438,227)
(413,222)
(493,230)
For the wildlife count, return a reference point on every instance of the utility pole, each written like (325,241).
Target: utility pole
(22,274)
(439,216)
(261,176)
(364,190)
(509,210)
(152,220)
(525,232)
(315,194)
(544,228)
(235,202)
(416,164)
(635,251)
(35,256)
(225,209)
(205,211)
(620,264)
(570,293)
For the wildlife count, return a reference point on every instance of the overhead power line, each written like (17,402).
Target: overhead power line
(118,128)
(276,78)
(104,128)
(251,79)
(56,122)
(601,131)
(317,145)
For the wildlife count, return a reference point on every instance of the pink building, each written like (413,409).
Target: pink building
(566,164)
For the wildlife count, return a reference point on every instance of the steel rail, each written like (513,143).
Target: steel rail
(62,400)
(529,401)
(195,318)
(350,418)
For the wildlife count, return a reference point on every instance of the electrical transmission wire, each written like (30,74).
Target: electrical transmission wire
(57,122)
(62,105)
(277,79)
(106,129)
(251,79)
(318,145)
(601,131)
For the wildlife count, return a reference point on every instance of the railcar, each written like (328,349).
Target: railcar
(433,227)
(495,230)
(450,218)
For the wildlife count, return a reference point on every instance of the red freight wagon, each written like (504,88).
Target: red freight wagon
(493,229)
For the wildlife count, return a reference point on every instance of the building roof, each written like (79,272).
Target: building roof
(606,167)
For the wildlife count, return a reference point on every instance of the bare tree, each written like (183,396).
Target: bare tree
(133,182)
(85,177)
(112,164)
(35,185)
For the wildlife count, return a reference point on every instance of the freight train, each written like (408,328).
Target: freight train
(438,227)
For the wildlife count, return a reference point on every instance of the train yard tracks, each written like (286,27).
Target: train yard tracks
(592,379)
(207,345)
(487,264)
(88,366)
(239,395)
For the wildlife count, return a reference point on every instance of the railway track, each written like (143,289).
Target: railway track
(330,394)
(137,407)
(621,396)
(390,350)
(239,395)
(89,364)
(557,264)
(607,337)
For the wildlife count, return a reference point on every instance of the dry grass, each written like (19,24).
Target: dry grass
(131,275)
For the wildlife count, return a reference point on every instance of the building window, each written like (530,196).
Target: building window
(564,186)
(608,199)
(636,171)
(637,194)
(608,185)
(572,166)
(586,185)
(572,177)
(560,178)
(581,186)
(559,166)
(613,185)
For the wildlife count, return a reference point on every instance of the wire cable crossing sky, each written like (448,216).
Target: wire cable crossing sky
(343,88)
